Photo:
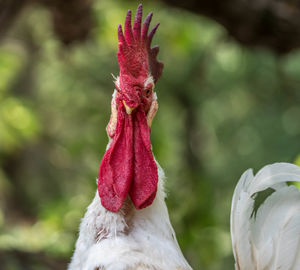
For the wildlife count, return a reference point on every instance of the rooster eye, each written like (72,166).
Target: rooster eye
(148,92)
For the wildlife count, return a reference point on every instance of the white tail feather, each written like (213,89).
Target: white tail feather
(271,238)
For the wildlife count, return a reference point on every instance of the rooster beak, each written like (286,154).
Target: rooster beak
(127,108)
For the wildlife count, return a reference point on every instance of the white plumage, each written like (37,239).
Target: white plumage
(130,239)
(270,238)
(267,238)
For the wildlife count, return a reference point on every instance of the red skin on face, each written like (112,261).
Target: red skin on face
(136,93)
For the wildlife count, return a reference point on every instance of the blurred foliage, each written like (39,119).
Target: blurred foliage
(223,109)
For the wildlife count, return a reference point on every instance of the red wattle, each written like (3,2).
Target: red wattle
(145,178)
(128,165)
(116,168)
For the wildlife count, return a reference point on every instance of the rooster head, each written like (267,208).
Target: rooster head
(139,68)
(128,168)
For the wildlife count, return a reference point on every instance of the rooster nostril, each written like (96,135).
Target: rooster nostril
(138,90)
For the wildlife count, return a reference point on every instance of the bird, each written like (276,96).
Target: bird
(266,236)
(127,225)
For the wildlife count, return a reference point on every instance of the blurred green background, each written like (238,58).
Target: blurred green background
(223,108)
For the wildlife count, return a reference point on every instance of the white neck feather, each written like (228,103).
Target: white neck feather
(144,238)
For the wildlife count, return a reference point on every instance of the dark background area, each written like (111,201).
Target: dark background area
(229,100)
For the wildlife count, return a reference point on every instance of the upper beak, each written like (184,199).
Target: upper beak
(127,108)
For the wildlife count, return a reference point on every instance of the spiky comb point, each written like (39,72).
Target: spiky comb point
(135,56)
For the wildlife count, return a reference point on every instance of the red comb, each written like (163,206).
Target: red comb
(135,56)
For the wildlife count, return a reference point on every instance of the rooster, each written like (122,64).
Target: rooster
(127,225)
(267,237)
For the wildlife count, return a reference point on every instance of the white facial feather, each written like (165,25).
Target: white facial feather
(149,80)
(117,81)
